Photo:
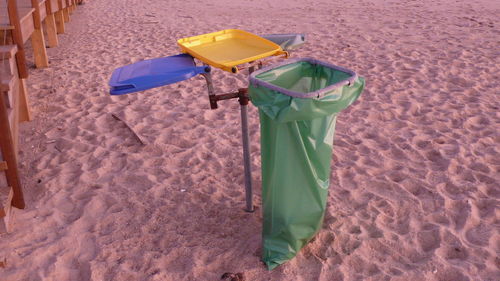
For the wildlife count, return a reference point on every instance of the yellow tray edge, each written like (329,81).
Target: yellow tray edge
(229,67)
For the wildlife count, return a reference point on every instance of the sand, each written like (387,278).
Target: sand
(415,174)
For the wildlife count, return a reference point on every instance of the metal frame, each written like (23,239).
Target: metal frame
(316,94)
(243,99)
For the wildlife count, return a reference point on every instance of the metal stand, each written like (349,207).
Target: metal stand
(243,99)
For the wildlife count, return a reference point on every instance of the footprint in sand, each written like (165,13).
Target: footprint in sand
(478,235)
(429,240)
(458,211)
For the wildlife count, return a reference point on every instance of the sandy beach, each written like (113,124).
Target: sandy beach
(415,179)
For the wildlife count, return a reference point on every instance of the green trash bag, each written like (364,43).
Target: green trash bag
(298,103)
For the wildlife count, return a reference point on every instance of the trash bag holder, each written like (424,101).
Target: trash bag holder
(298,102)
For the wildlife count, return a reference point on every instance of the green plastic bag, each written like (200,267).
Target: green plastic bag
(298,103)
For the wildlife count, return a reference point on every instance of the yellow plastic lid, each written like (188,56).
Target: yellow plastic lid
(228,48)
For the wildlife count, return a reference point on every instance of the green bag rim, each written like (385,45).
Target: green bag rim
(315,94)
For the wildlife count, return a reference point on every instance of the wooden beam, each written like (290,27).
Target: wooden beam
(69,4)
(14,114)
(43,9)
(50,7)
(6,27)
(66,14)
(9,155)
(59,16)
(36,34)
(65,7)
(24,109)
(6,218)
(6,83)
(39,50)
(36,15)
(5,211)
(18,38)
(27,22)
(51,29)
(8,51)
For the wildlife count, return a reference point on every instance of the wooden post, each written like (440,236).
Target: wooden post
(65,10)
(39,51)
(69,4)
(24,109)
(18,38)
(66,14)
(49,23)
(6,215)
(37,40)
(59,16)
(50,27)
(36,15)
(54,8)
(9,155)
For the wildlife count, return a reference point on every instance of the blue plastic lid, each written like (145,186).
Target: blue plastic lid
(153,73)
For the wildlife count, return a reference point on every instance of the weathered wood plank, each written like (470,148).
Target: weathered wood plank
(6,215)
(27,23)
(8,51)
(17,35)
(39,50)
(24,109)
(9,155)
(59,17)
(51,29)
(6,83)
(66,14)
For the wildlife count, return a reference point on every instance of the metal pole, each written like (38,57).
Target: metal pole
(243,99)
(246,146)
(246,155)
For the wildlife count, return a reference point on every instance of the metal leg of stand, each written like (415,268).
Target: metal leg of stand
(246,149)
(243,99)
(246,157)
